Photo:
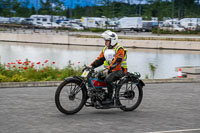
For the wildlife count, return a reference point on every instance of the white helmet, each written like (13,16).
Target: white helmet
(112,36)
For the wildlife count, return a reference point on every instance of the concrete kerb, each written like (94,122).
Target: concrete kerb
(56,83)
(29,84)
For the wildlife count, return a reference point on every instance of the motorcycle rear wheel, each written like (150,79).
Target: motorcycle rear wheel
(70,97)
(130,96)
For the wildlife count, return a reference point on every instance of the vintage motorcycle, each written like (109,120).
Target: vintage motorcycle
(90,90)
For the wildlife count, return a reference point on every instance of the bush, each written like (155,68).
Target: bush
(17,78)
(29,71)
(160,31)
(3,78)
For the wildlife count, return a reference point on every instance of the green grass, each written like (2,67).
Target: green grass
(20,71)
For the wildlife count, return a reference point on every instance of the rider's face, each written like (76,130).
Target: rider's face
(107,43)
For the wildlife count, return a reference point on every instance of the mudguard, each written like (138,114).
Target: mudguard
(141,83)
(80,80)
(135,80)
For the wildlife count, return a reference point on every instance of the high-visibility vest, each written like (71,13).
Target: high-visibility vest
(124,63)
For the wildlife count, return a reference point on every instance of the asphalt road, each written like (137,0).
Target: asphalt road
(171,107)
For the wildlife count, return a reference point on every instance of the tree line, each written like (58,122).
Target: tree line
(152,8)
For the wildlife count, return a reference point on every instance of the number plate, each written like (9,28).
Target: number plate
(85,73)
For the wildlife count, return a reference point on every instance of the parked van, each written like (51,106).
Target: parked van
(130,23)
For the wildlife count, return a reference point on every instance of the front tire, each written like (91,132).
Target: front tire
(130,96)
(70,96)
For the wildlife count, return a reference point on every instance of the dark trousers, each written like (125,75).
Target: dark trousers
(110,78)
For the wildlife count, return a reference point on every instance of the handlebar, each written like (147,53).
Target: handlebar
(91,69)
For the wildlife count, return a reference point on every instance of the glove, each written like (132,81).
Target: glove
(105,72)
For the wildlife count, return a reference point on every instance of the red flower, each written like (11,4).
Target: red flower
(42,71)
(79,62)
(46,67)
(14,65)
(58,75)
(19,62)
(45,61)
(38,63)
(53,62)
(26,63)
(25,68)
(42,64)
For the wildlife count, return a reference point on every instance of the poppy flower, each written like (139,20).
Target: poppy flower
(26,63)
(38,63)
(45,61)
(58,75)
(42,71)
(25,68)
(79,62)
(19,62)
(53,62)
(14,65)
(42,64)
(46,67)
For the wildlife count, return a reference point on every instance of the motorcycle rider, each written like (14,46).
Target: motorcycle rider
(113,56)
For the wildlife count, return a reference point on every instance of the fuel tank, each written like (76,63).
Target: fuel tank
(97,83)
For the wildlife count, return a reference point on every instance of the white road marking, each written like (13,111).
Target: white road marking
(176,131)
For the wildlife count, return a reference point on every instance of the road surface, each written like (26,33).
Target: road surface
(166,108)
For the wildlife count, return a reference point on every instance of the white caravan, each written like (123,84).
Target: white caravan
(130,23)
(46,18)
(190,23)
(93,22)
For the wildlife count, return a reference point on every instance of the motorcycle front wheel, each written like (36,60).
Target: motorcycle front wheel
(70,97)
(130,96)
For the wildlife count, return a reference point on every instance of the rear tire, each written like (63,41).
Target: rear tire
(70,96)
(130,96)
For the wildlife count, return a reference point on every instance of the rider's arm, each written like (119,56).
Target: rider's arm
(116,63)
(99,61)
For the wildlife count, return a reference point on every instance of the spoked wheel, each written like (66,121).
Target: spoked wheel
(130,96)
(70,97)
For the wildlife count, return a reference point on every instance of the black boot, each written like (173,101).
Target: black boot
(108,100)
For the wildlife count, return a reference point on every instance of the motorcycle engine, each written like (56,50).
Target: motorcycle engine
(97,94)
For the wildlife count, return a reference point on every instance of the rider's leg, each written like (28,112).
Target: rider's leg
(110,78)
